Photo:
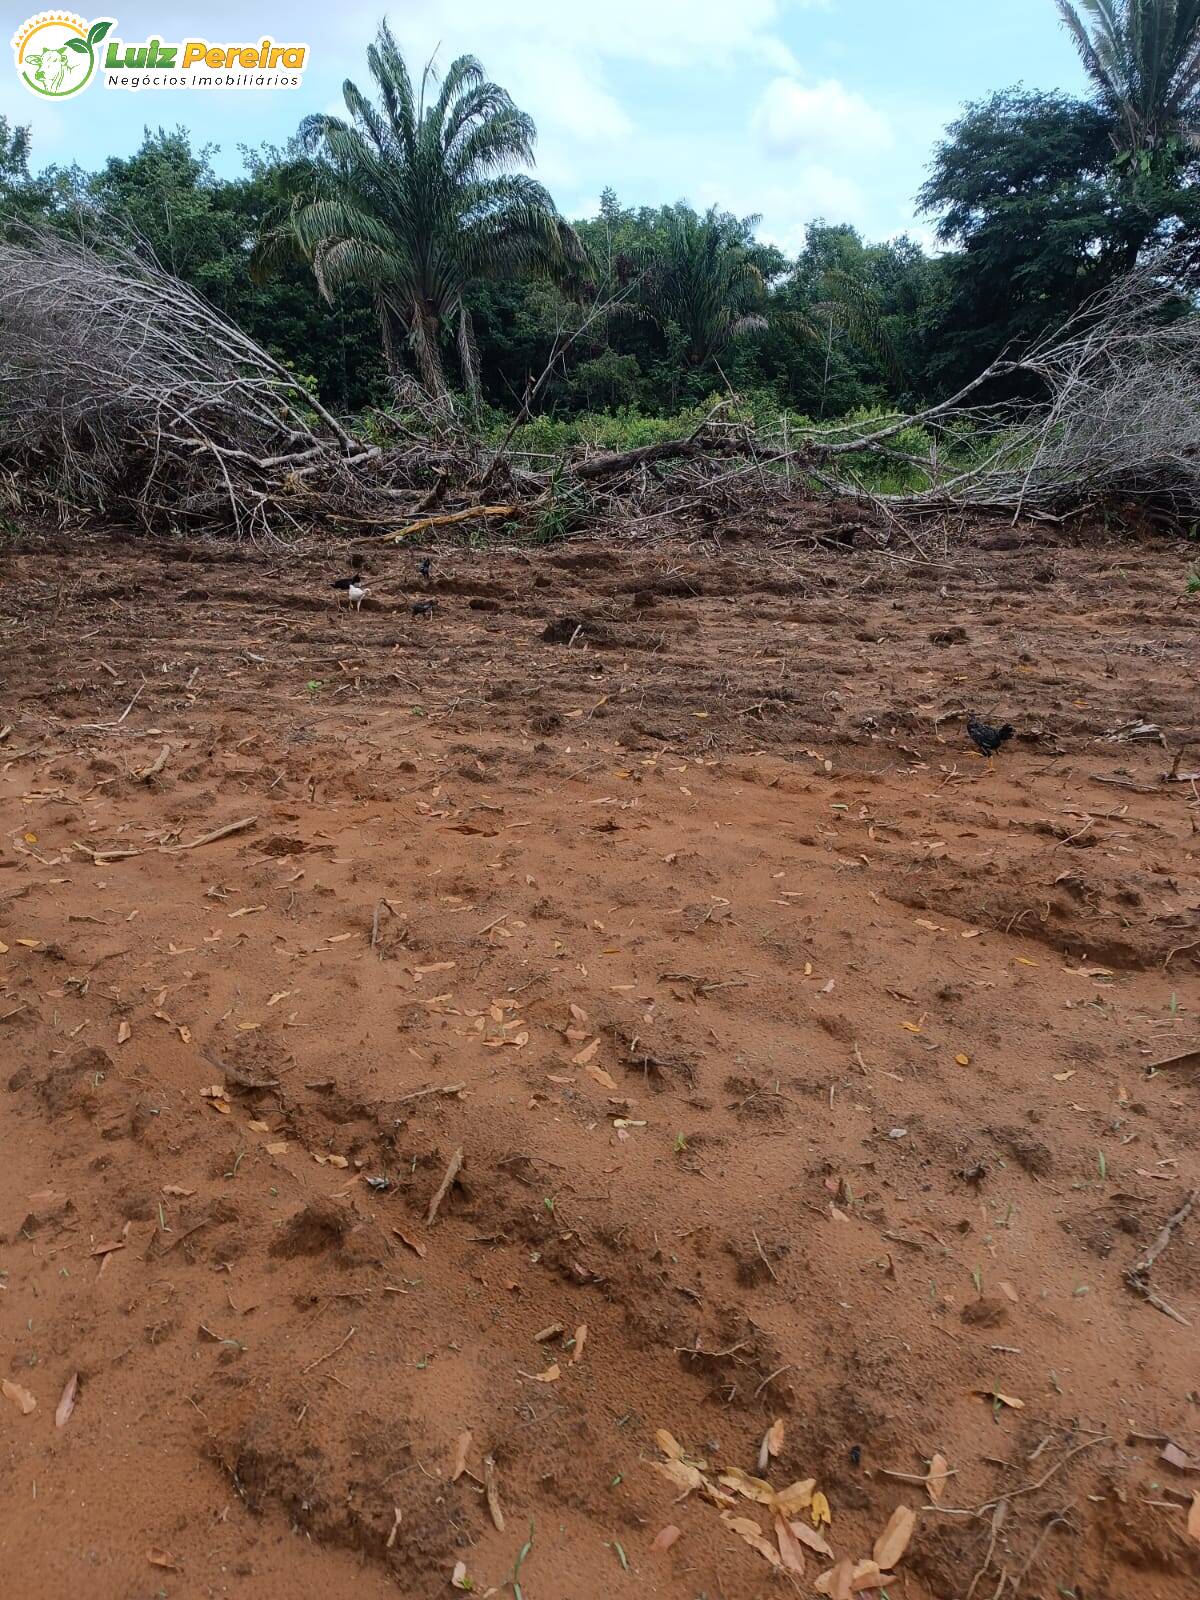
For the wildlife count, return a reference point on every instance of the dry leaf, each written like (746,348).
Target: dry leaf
(1193,1522)
(277,1148)
(581,1333)
(21,1398)
(415,1245)
(598,1075)
(772,1444)
(1001,1399)
(586,1054)
(551,1375)
(836,1582)
(160,1558)
(893,1541)
(666,1537)
(869,1575)
(1175,1457)
(797,1497)
(67,1404)
(1009,1293)
(963,1059)
(819,1510)
(492,1493)
(812,1538)
(259,1127)
(176,1193)
(281,995)
(460,1455)
(790,1552)
(552,1332)
(459,1579)
(666,1442)
(685,1478)
(753,1535)
(124,1031)
(755,1489)
(935,1482)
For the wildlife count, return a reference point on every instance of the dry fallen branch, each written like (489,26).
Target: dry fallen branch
(1138,1276)
(443,1188)
(211,838)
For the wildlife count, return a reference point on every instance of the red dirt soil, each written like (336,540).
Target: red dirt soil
(796,1054)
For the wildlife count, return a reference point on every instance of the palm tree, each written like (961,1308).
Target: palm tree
(699,275)
(415,198)
(1144,58)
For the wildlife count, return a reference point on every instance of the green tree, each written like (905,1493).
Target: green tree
(701,279)
(416,198)
(1143,56)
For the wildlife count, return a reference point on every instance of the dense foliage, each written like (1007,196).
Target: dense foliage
(406,237)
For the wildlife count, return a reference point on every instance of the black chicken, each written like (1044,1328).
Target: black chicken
(987,740)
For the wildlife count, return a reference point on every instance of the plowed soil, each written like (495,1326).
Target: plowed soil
(801,1059)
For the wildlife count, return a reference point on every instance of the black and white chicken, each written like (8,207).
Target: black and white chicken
(353,588)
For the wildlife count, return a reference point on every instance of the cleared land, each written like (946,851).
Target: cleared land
(791,1051)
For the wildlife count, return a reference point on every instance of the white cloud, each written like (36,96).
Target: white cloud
(793,118)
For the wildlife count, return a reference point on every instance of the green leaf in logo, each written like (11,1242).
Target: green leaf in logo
(97,31)
(77,45)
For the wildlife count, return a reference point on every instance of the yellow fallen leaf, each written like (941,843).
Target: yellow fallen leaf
(971,933)
(819,1510)
(281,995)
(124,1032)
(3,948)
(1024,961)
(31,838)
(797,1497)
(811,1537)
(30,944)
(278,1148)
(963,1059)
(586,1054)
(750,1531)
(1062,1077)
(911,1027)
(935,1482)
(668,1444)
(791,1553)
(756,1489)
(161,1558)
(259,1127)
(685,1478)
(893,1541)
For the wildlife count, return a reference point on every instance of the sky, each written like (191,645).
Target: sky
(794,109)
